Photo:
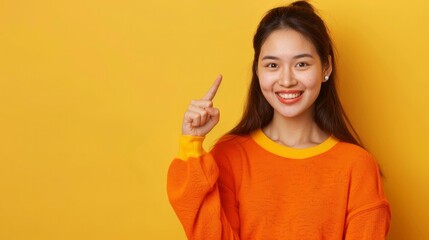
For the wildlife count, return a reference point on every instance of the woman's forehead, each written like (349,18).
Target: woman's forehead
(287,43)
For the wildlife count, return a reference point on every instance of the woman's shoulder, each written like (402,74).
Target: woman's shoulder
(231,141)
(350,149)
(231,146)
(358,158)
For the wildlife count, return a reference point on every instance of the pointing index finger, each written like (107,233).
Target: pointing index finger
(212,91)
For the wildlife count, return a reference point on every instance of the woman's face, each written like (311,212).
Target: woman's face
(290,73)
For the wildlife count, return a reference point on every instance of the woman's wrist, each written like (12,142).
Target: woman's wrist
(190,147)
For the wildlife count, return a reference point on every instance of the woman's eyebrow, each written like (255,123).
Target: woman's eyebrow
(294,57)
(303,55)
(270,57)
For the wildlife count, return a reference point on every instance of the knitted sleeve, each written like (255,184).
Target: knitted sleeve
(369,214)
(203,202)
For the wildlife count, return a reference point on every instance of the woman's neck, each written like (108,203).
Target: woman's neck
(297,132)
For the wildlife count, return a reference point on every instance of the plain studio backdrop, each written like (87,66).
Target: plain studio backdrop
(92,95)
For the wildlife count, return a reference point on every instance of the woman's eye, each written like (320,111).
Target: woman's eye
(301,64)
(272,65)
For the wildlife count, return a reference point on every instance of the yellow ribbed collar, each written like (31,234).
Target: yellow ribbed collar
(288,152)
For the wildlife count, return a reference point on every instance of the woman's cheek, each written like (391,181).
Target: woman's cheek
(267,79)
(310,79)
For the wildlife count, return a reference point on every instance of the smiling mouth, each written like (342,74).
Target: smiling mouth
(288,96)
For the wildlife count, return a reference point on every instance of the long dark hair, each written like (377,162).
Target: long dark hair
(329,113)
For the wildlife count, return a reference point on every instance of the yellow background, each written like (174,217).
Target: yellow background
(92,95)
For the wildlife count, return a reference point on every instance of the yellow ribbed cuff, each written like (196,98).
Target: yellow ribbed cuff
(190,146)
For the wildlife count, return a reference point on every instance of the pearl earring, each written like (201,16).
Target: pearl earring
(326,78)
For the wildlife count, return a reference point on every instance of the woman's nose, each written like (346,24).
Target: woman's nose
(287,78)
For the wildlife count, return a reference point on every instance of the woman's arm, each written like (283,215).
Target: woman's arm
(198,197)
(195,194)
(369,213)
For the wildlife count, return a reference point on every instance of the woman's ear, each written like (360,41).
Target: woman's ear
(328,67)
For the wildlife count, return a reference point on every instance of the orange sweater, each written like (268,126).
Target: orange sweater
(253,188)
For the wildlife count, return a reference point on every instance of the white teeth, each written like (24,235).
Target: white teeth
(289,95)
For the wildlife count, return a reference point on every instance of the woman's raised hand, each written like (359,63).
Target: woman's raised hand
(201,116)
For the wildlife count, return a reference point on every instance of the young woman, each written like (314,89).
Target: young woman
(291,168)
